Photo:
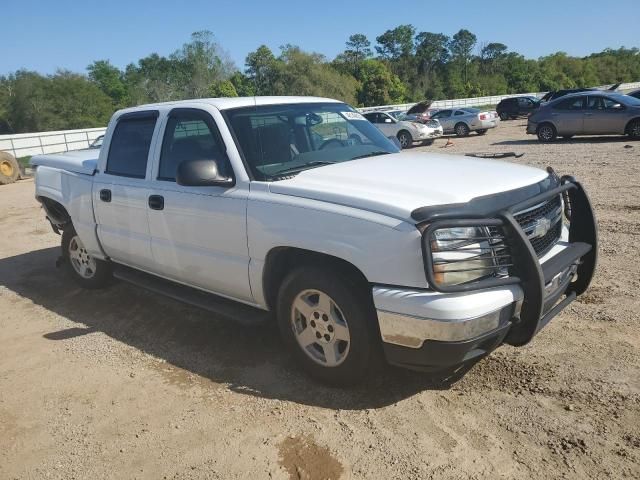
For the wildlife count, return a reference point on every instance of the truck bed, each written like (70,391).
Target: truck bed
(80,161)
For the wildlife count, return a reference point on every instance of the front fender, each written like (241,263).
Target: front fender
(385,250)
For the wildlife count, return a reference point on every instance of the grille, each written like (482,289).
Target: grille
(432,123)
(527,221)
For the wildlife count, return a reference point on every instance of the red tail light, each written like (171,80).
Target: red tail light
(483,116)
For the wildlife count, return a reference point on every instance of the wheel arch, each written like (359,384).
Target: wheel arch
(282,260)
(626,127)
(404,130)
(55,211)
(547,122)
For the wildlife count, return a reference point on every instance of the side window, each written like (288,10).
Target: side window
(610,104)
(190,135)
(129,147)
(459,113)
(595,103)
(524,102)
(442,114)
(570,104)
(372,117)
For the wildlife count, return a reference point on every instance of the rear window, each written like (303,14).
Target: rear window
(129,147)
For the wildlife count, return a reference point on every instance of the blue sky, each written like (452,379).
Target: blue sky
(46,35)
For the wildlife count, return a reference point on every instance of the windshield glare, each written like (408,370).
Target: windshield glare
(292,137)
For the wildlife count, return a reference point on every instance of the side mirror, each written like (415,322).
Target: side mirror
(395,141)
(201,173)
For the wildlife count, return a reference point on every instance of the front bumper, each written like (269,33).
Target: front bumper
(532,128)
(426,134)
(441,328)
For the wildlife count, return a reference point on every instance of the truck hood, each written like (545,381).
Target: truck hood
(79,161)
(396,184)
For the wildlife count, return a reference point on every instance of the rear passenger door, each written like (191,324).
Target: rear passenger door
(121,188)
(198,234)
(568,115)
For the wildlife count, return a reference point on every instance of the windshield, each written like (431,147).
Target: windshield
(281,140)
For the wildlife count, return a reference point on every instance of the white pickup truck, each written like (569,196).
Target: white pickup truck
(300,207)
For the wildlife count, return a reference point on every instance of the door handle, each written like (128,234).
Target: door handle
(156,202)
(105,195)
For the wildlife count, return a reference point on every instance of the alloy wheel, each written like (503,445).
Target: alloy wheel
(83,263)
(320,328)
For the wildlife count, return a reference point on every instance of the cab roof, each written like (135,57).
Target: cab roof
(235,102)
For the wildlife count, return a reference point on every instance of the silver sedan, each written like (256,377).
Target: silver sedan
(461,121)
(586,113)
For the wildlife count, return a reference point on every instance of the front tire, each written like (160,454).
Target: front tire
(88,272)
(326,320)
(482,131)
(547,133)
(504,116)
(405,139)
(462,130)
(427,143)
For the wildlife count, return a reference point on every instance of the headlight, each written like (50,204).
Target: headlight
(460,255)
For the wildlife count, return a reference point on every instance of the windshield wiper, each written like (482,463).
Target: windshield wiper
(300,168)
(371,154)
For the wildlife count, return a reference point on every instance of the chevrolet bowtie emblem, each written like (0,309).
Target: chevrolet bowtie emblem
(541,227)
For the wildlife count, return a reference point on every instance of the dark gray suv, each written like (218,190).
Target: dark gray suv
(586,113)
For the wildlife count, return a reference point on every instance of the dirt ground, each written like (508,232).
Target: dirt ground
(121,383)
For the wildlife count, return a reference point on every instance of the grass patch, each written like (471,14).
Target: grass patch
(24,161)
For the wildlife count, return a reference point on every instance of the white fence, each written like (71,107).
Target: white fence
(23,144)
(477,101)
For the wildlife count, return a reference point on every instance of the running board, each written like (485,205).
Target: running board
(223,307)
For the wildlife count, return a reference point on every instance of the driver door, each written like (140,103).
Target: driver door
(604,116)
(446,119)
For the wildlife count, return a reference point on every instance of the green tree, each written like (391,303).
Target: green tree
(262,70)
(243,85)
(461,46)
(110,80)
(396,43)
(379,86)
(224,88)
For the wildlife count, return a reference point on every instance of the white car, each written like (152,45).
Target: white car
(298,212)
(406,132)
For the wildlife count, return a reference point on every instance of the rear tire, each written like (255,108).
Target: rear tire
(405,139)
(327,321)
(633,129)
(9,168)
(504,116)
(482,131)
(461,129)
(546,133)
(88,272)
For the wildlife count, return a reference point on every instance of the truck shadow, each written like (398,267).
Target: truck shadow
(249,360)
